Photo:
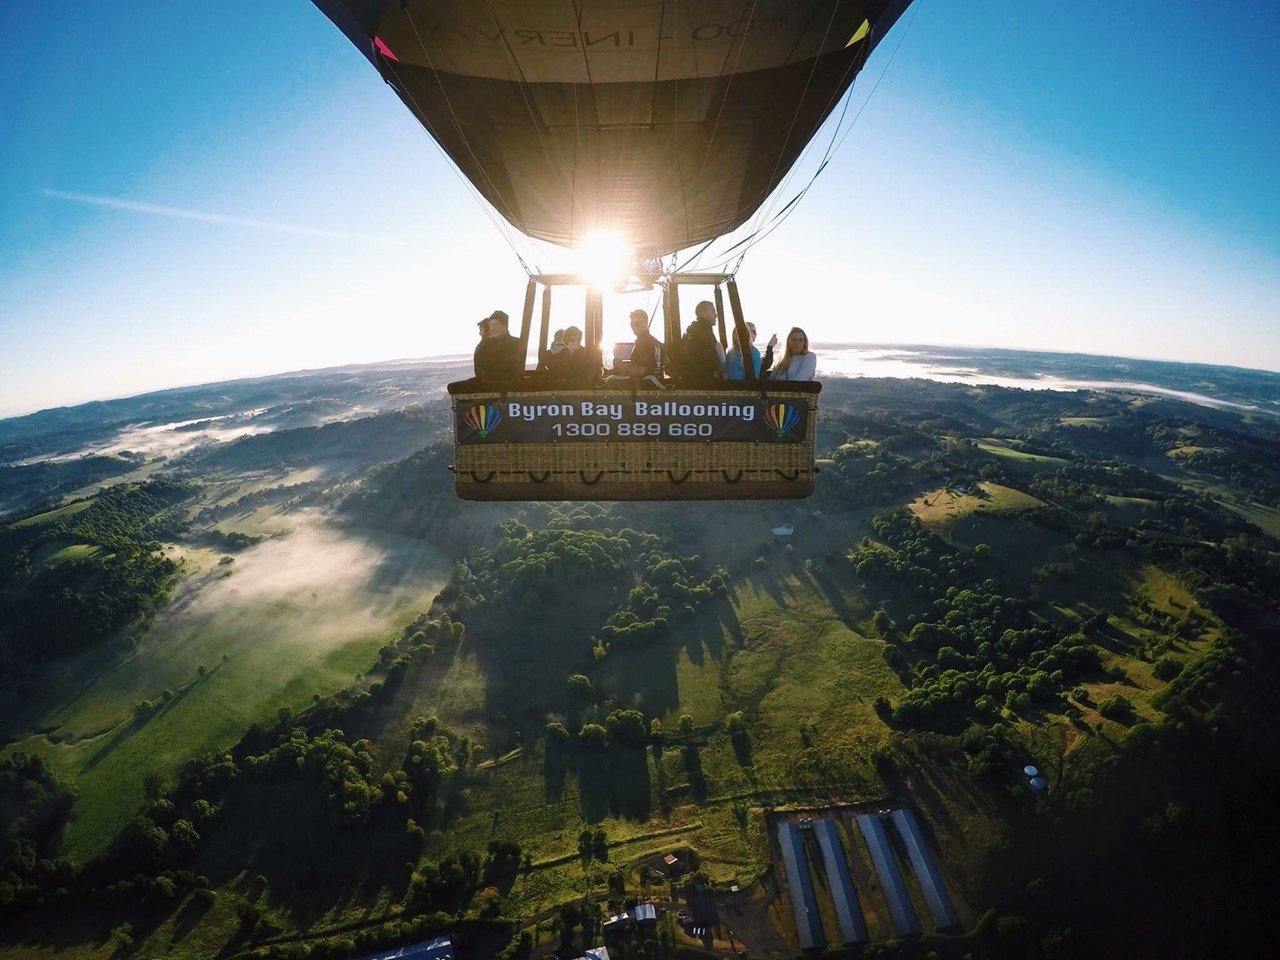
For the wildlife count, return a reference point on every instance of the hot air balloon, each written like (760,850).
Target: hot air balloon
(661,124)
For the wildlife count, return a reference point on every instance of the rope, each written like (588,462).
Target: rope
(457,123)
(501,225)
(522,82)
(675,118)
(837,140)
(653,102)
(808,81)
(577,129)
(761,215)
(728,85)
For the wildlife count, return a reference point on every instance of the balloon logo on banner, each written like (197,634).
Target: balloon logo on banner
(483,418)
(781,417)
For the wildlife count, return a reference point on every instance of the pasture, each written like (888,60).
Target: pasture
(1005,451)
(287,620)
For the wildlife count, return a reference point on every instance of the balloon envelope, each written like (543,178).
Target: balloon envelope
(666,123)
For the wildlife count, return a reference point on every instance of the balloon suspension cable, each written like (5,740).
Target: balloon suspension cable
(761,213)
(742,42)
(523,83)
(767,226)
(502,225)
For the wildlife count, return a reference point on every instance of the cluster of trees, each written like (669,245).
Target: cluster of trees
(418,644)
(668,586)
(124,518)
(535,572)
(873,473)
(35,487)
(972,651)
(1248,462)
(915,560)
(628,584)
(448,884)
(35,804)
(344,772)
(71,605)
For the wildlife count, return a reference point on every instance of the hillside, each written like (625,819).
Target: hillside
(324,707)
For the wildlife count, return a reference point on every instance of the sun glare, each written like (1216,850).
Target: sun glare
(604,259)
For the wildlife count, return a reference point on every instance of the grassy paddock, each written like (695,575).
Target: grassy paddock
(295,618)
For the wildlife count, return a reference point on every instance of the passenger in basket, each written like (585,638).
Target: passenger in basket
(499,355)
(735,369)
(798,362)
(702,356)
(646,355)
(547,358)
(767,363)
(571,364)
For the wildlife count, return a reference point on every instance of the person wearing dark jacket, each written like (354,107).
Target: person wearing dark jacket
(702,356)
(570,363)
(498,356)
(646,354)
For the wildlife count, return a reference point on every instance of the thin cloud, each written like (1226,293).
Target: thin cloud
(134,206)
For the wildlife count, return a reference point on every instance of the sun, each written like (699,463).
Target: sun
(604,259)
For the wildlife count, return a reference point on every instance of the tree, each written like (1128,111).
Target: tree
(881,622)
(685,725)
(1166,668)
(626,728)
(426,764)
(121,940)
(581,688)
(184,838)
(592,736)
(148,840)
(424,728)
(1118,707)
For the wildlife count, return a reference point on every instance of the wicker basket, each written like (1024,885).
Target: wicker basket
(657,469)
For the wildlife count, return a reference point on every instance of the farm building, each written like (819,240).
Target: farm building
(673,865)
(440,948)
(853,929)
(804,902)
(901,913)
(644,914)
(595,953)
(935,894)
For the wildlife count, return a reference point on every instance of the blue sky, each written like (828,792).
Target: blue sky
(198,191)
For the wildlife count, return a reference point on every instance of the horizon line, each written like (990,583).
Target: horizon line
(462,357)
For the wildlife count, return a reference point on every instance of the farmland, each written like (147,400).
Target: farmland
(349,709)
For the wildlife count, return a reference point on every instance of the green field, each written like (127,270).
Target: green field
(1001,448)
(292,617)
(948,608)
(1083,421)
(945,506)
(50,515)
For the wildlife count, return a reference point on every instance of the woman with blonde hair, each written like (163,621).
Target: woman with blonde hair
(798,362)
